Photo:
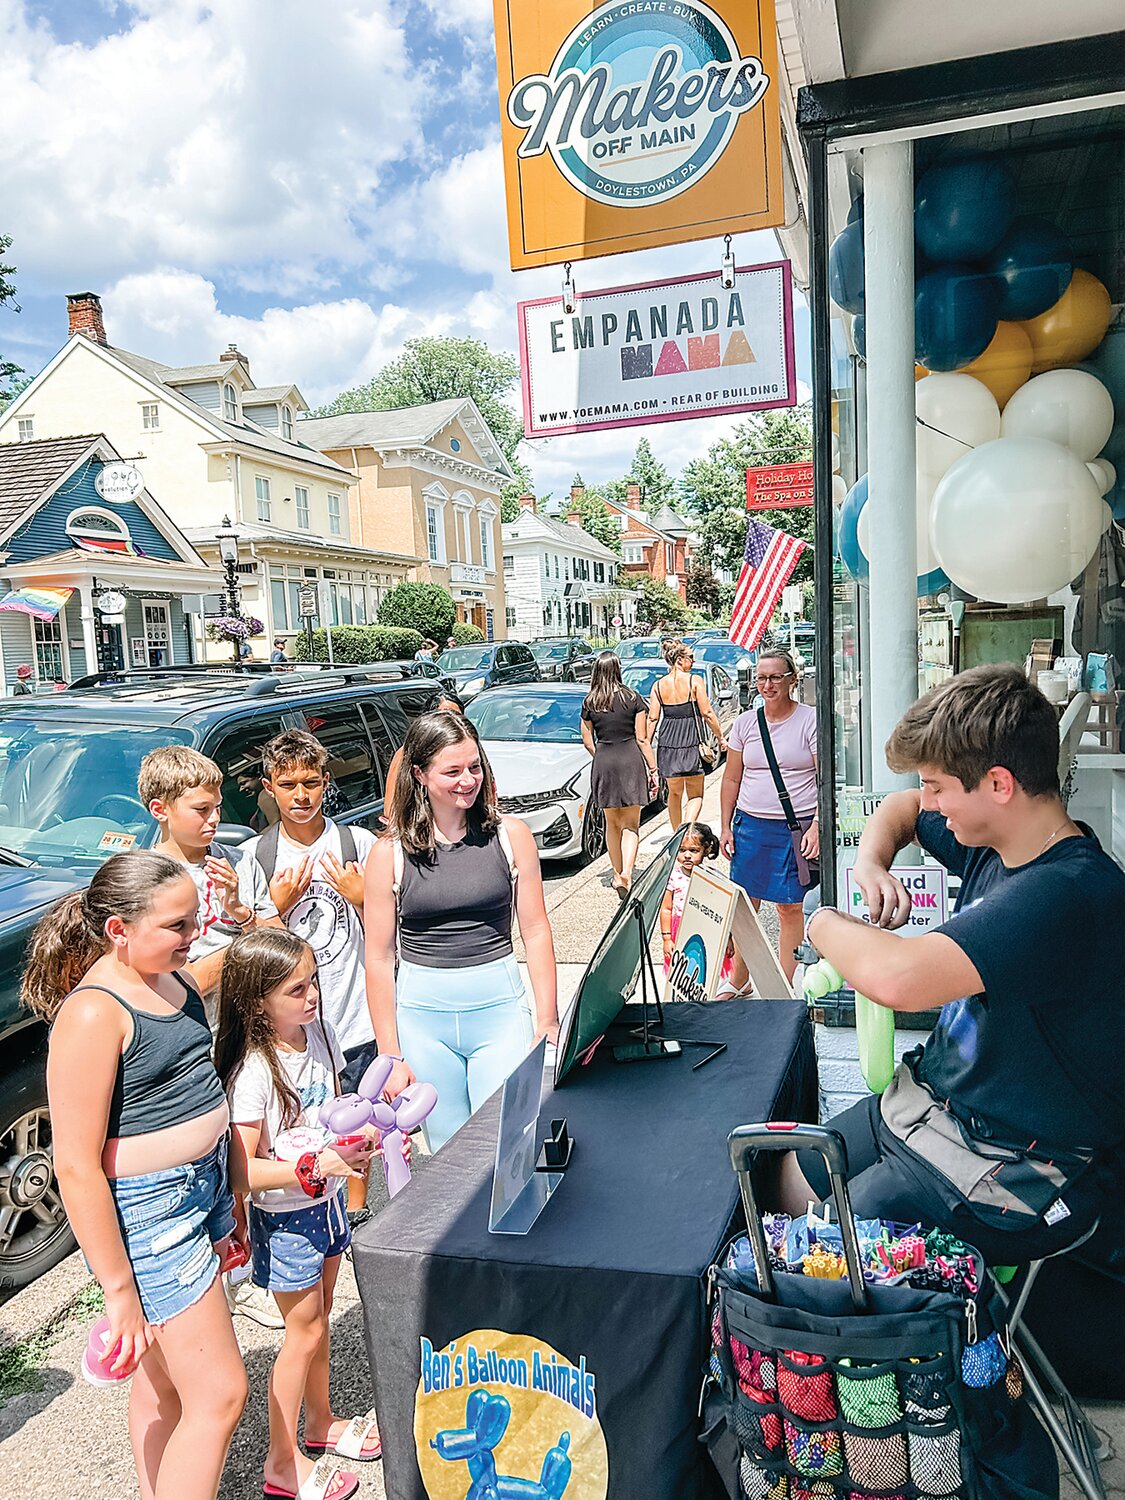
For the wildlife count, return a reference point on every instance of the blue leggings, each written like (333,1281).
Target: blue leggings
(463,1030)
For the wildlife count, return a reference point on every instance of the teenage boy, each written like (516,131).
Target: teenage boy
(315,872)
(1003,1128)
(182,789)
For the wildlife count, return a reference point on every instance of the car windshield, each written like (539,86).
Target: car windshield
(465,658)
(528,716)
(68,791)
(545,651)
(723,651)
(627,649)
(643,678)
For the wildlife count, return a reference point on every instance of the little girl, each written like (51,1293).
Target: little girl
(278,1062)
(699,843)
(140,1126)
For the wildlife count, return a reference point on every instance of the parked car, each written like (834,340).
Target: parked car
(726,654)
(489,664)
(722,689)
(804,636)
(706,635)
(564,658)
(639,647)
(68,800)
(533,739)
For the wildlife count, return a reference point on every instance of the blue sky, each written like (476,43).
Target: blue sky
(312,182)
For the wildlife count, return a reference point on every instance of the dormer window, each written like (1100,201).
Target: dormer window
(287,423)
(230,404)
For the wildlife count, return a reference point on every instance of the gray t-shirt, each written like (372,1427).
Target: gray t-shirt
(215,929)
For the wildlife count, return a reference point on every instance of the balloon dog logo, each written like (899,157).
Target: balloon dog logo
(501,1416)
(637,108)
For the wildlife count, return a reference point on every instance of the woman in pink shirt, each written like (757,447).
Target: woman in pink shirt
(756,837)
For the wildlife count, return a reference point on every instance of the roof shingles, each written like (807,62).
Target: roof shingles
(28,471)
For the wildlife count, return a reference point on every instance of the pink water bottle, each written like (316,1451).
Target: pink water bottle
(97,1357)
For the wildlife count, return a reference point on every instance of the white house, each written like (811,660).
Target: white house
(560,580)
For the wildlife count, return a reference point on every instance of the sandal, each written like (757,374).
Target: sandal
(353,1441)
(318,1485)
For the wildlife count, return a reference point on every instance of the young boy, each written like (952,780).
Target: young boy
(315,872)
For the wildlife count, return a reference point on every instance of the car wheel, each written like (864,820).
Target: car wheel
(593,833)
(34,1232)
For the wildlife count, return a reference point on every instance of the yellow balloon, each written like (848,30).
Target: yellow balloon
(1005,365)
(920,373)
(1073,328)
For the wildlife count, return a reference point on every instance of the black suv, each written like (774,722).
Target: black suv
(564,658)
(68,800)
(487,664)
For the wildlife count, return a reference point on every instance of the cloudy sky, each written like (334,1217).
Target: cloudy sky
(315,183)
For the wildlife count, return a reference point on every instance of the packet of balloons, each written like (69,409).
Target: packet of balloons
(891,1253)
(1101,673)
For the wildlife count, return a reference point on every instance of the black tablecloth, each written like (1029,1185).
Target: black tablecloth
(610,1277)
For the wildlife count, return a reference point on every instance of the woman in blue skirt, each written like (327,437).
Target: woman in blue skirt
(756,836)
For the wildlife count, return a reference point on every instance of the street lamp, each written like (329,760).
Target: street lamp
(228,554)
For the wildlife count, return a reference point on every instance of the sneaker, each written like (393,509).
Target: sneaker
(253,1302)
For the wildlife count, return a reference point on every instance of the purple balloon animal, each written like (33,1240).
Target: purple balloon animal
(351,1112)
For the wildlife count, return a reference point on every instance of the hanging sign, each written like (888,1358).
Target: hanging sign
(636,123)
(110,603)
(661,351)
(119,482)
(779,487)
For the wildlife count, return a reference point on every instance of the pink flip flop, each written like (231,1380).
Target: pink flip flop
(318,1486)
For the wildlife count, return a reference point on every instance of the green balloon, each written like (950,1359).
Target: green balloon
(816,982)
(875,1034)
(835,978)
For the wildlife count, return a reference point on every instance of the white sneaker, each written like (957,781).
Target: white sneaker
(253,1302)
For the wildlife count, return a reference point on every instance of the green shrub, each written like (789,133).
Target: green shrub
(465,634)
(426,607)
(355,644)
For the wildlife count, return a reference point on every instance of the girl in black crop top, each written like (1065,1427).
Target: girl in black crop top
(440,894)
(140,1124)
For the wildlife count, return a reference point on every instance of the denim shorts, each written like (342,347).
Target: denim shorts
(290,1248)
(169,1222)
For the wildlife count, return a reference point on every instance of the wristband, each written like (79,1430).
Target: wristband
(811,918)
(310,1178)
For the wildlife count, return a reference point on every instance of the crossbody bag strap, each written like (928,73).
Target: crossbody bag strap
(775,771)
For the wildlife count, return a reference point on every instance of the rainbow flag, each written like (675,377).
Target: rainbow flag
(43,604)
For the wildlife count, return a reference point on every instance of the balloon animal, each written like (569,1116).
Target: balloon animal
(486,1421)
(392,1120)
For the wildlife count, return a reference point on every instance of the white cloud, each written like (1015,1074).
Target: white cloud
(209,138)
(458,15)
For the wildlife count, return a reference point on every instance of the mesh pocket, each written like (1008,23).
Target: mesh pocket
(927,1399)
(935,1462)
(871,1401)
(876,1463)
(758,1484)
(807,1391)
(814,1491)
(754,1430)
(985,1363)
(814,1454)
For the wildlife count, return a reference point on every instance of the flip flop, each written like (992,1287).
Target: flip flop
(352,1441)
(318,1485)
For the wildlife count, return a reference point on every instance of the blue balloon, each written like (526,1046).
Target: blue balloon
(1033,263)
(856,210)
(955,315)
(845,268)
(847,546)
(962,209)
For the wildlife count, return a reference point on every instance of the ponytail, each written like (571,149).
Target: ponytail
(71,937)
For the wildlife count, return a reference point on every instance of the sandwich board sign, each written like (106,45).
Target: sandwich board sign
(715,911)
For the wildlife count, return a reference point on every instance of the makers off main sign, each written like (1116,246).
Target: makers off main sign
(658,352)
(636,123)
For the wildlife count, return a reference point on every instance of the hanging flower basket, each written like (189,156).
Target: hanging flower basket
(233,627)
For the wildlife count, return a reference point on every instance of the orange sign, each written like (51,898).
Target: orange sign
(636,123)
(779,487)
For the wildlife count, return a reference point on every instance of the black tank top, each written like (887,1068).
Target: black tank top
(455,909)
(166,1074)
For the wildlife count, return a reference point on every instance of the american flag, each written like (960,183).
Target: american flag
(768,563)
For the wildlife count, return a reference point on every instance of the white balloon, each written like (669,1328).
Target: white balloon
(1107,515)
(1105,475)
(955,413)
(835,454)
(1070,407)
(1016,519)
(923,498)
(839,490)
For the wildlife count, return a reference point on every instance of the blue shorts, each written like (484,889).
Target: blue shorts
(290,1248)
(169,1222)
(764,863)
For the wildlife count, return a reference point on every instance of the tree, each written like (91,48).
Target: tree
(425,607)
(660,607)
(442,369)
(10,385)
(702,589)
(597,520)
(658,488)
(522,484)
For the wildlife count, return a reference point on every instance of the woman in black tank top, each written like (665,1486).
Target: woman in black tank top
(140,1127)
(440,894)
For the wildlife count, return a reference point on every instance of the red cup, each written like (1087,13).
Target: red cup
(235,1255)
(350,1140)
(97,1358)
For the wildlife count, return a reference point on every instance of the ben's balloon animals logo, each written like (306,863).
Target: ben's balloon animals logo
(640,101)
(502,1416)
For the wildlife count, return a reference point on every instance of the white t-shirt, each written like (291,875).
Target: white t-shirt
(333,929)
(216,930)
(253,1098)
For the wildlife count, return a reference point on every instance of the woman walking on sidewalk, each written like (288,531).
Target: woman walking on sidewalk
(140,1127)
(624,776)
(680,706)
(770,859)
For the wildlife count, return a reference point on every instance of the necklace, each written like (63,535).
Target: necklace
(1053,836)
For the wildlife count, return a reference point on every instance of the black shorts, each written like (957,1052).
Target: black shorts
(357,1060)
(887,1180)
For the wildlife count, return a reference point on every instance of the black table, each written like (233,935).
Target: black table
(594,1324)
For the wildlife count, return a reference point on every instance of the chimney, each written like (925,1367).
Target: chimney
(527,502)
(576,493)
(633,496)
(84,315)
(232,355)
(575,517)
